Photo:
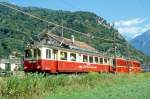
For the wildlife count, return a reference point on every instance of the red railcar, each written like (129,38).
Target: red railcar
(121,65)
(55,60)
(135,66)
(126,66)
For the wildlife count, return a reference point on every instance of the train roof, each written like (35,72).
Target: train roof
(72,50)
(76,44)
(51,40)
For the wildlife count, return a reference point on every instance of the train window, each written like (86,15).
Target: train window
(28,53)
(85,58)
(63,55)
(80,58)
(105,60)
(90,59)
(101,60)
(96,59)
(37,53)
(73,57)
(48,53)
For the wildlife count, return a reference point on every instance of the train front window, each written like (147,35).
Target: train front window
(28,53)
(37,53)
(48,53)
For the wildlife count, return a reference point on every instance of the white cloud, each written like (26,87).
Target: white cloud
(130,22)
(147,26)
(132,27)
(132,31)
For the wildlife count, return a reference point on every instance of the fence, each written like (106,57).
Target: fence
(145,68)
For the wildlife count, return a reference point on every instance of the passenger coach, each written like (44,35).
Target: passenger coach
(54,60)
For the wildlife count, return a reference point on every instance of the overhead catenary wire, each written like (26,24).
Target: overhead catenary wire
(52,23)
(49,22)
(113,41)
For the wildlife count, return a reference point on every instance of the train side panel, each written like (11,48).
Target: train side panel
(65,66)
(135,67)
(121,65)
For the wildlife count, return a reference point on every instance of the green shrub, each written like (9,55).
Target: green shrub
(90,85)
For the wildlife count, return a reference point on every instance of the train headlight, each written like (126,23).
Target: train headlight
(25,67)
(38,67)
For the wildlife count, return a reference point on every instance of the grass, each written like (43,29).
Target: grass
(86,86)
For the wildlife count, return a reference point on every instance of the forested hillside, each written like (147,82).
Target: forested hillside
(16,29)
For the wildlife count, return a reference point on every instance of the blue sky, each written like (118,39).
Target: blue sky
(131,17)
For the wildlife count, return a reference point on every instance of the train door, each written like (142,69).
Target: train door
(114,65)
(62,61)
(110,65)
(128,65)
(55,60)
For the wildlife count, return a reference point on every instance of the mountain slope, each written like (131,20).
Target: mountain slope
(142,42)
(16,29)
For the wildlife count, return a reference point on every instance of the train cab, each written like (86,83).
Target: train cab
(40,59)
(32,59)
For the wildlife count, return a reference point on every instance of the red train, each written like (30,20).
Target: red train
(59,60)
(71,58)
(127,66)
